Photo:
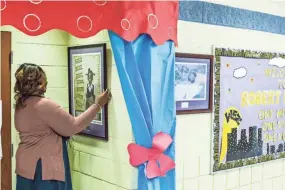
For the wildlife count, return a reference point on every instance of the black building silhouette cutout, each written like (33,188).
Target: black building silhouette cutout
(246,147)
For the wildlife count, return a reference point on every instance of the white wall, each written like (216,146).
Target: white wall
(194,132)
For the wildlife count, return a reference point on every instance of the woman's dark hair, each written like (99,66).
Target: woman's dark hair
(30,81)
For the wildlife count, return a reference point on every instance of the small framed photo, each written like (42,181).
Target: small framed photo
(193,83)
(87,72)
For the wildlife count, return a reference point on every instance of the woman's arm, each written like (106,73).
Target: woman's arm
(61,121)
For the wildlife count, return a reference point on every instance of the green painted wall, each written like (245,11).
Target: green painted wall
(94,163)
(99,164)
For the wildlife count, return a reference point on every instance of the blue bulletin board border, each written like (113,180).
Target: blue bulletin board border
(217,166)
(221,15)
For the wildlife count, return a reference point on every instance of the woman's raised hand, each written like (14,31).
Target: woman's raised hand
(103,98)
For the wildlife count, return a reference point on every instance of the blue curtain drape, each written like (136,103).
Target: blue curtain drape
(146,72)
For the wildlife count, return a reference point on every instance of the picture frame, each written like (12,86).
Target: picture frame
(87,75)
(193,83)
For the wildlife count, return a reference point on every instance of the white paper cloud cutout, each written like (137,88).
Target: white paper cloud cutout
(240,72)
(278,62)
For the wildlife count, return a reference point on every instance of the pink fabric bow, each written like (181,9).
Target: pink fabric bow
(154,155)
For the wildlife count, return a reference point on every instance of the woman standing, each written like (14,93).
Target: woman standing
(41,159)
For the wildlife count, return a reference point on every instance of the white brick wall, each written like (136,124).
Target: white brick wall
(193,132)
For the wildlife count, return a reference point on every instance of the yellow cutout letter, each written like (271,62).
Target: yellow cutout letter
(232,119)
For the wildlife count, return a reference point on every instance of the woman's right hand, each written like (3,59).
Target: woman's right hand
(103,98)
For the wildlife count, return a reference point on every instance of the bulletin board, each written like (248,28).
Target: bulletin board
(249,108)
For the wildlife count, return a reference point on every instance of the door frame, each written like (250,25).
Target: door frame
(6,162)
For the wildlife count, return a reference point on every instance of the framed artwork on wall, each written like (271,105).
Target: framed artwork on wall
(87,74)
(193,83)
(249,98)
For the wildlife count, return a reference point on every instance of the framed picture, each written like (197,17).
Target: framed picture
(87,72)
(193,83)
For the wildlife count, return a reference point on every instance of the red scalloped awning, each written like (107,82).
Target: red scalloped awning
(83,19)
